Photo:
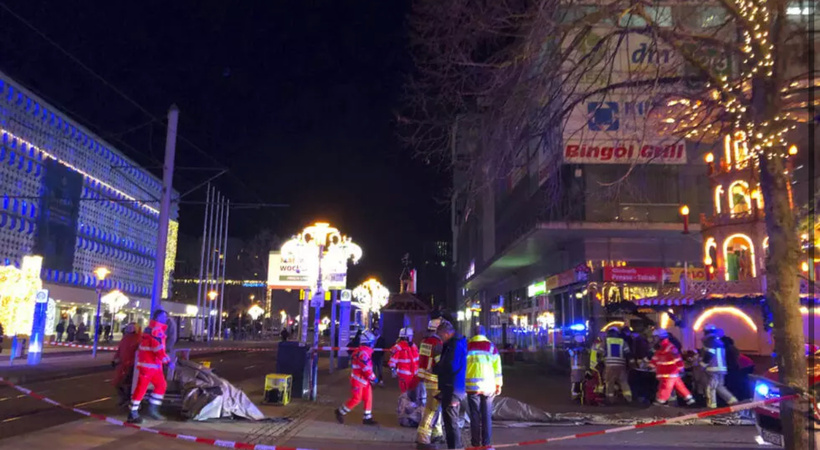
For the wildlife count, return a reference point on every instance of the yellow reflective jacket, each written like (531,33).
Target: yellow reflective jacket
(483,366)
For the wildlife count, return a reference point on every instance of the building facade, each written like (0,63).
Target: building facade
(75,200)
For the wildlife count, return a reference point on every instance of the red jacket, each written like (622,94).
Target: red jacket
(667,361)
(405,359)
(125,356)
(361,364)
(429,355)
(151,354)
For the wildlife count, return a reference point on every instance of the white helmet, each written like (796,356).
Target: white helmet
(406,333)
(433,324)
(367,338)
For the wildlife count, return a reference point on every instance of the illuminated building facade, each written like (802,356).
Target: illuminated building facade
(75,200)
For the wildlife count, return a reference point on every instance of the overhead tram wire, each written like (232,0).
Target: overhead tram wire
(123,94)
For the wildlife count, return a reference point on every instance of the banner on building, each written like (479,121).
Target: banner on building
(56,235)
(564,278)
(674,274)
(634,274)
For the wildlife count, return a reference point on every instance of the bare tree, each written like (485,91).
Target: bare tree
(508,77)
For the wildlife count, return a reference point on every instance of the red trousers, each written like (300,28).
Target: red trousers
(146,377)
(360,393)
(665,386)
(407,383)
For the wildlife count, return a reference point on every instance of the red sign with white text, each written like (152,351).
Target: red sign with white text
(634,274)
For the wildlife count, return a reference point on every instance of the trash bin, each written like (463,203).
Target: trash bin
(292,359)
(277,389)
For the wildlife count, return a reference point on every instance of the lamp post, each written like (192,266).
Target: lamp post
(100,273)
(212,297)
(370,297)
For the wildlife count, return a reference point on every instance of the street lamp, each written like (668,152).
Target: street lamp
(371,296)
(100,273)
(212,297)
(255,311)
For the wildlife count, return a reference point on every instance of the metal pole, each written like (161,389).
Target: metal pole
(214,259)
(316,320)
(303,319)
(224,263)
(217,248)
(334,297)
(97,320)
(199,304)
(206,302)
(165,208)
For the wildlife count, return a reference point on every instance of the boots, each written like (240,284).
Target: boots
(153,412)
(369,421)
(134,417)
(339,416)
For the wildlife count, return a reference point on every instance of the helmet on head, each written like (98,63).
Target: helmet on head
(433,324)
(710,329)
(406,333)
(660,333)
(367,338)
(614,331)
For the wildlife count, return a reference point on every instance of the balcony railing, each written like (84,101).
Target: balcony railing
(706,222)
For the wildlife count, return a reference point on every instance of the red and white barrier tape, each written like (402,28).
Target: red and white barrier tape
(350,349)
(66,344)
(193,349)
(245,445)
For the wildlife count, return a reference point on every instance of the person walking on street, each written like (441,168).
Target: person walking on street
(484,382)
(713,360)
(107,332)
(60,329)
(361,376)
(668,365)
(615,372)
(378,356)
(429,430)
(404,360)
(150,358)
(452,380)
(123,362)
(284,335)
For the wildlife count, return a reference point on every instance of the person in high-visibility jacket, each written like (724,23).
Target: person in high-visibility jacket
(404,360)
(150,358)
(668,365)
(361,378)
(713,360)
(484,381)
(616,372)
(430,428)
(578,366)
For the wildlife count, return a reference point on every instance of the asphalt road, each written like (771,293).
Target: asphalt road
(20,414)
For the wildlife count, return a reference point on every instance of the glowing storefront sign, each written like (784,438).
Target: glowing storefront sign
(539,288)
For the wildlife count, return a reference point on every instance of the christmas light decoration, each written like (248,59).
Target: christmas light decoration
(750,247)
(255,311)
(17,291)
(728,310)
(614,323)
(370,296)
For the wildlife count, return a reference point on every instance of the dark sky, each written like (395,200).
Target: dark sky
(294,97)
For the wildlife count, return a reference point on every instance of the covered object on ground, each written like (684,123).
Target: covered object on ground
(207,396)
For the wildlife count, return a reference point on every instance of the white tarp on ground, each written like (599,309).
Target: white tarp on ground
(206,396)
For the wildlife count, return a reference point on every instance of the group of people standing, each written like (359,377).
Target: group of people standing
(613,354)
(443,373)
(79,333)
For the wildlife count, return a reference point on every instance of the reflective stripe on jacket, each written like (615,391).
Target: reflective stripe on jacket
(404,359)
(714,355)
(667,361)
(483,366)
(361,365)
(616,349)
(151,351)
(429,356)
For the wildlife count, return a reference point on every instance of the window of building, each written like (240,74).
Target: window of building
(738,254)
(740,200)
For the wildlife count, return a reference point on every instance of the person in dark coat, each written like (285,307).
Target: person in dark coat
(71,331)
(378,355)
(284,335)
(452,380)
(60,329)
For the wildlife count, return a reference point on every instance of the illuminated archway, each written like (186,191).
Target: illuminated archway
(739,191)
(614,323)
(739,239)
(730,310)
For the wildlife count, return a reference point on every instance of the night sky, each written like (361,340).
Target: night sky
(295,98)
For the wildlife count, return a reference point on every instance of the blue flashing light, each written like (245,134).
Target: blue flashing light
(578,327)
(762,389)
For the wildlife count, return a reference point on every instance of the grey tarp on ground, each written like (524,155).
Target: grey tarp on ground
(207,396)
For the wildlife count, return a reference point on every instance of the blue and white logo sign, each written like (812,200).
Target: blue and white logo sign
(603,116)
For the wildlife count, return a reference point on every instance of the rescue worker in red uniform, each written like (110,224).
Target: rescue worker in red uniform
(404,360)
(361,378)
(668,365)
(150,358)
(430,429)
(123,363)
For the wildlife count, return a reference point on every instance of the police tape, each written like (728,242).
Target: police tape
(351,349)
(193,349)
(244,445)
